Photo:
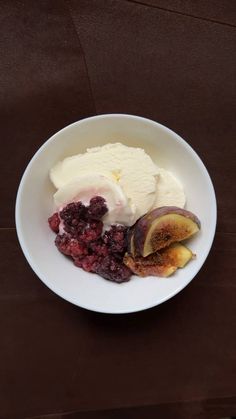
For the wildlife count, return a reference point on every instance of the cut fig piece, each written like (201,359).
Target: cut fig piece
(161,227)
(152,265)
(163,263)
(177,254)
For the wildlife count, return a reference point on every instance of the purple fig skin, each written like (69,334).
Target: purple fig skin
(143,224)
(158,212)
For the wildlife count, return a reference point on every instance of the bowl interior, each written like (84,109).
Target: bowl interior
(35,202)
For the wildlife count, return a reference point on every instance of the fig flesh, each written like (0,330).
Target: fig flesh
(163,263)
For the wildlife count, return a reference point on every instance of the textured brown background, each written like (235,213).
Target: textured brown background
(170,60)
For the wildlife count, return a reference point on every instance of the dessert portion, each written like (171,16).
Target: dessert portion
(130,170)
(116,213)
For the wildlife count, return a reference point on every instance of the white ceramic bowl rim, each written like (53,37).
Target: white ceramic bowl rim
(20,233)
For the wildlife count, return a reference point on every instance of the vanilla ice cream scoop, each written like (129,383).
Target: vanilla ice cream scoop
(129,167)
(125,176)
(169,191)
(85,187)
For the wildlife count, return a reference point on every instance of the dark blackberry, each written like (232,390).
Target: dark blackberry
(116,239)
(97,208)
(73,216)
(113,269)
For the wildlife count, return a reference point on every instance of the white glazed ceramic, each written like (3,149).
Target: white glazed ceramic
(35,202)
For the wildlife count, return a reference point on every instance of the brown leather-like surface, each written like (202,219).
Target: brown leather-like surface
(212,10)
(44,85)
(171,68)
(65,60)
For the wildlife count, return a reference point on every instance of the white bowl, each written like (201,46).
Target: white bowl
(35,202)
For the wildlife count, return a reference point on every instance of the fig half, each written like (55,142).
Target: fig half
(177,254)
(163,263)
(161,227)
